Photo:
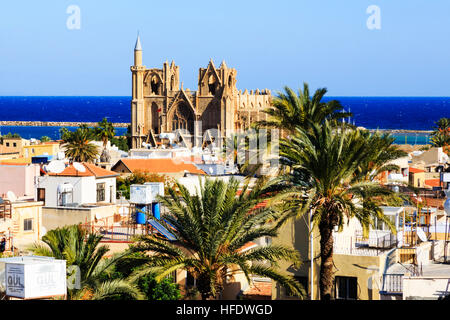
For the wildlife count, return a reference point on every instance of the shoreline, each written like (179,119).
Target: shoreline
(57,124)
(401,130)
(126,124)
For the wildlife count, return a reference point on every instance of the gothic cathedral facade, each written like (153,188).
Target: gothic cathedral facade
(160,105)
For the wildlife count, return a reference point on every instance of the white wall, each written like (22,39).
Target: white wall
(425,288)
(84,189)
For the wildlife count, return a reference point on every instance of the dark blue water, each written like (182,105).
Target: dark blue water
(410,113)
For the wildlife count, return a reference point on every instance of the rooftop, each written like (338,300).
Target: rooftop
(415,170)
(160,166)
(91,170)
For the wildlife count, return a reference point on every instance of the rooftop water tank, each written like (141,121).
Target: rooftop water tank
(146,193)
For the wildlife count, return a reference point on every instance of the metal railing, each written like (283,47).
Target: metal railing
(115,233)
(358,245)
(5,210)
(392,283)
(386,241)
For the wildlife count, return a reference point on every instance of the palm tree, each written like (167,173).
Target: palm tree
(211,228)
(441,134)
(105,131)
(331,172)
(81,249)
(290,110)
(77,145)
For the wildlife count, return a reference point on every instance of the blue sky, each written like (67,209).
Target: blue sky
(270,43)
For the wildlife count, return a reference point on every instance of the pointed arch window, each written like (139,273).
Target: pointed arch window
(155,85)
(212,84)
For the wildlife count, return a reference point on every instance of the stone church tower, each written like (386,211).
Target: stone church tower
(160,105)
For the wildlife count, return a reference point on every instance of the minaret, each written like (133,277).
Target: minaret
(138,52)
(137,103)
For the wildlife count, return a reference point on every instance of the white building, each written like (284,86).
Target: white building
(74,188)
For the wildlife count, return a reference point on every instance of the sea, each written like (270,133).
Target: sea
(389,113)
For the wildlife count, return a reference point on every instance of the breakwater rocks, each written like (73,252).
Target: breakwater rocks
(400,131)
(56,124)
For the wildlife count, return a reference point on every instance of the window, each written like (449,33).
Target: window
(346,288)
(41,194)
(28,225)
(65,198)
(380,225)
(7,144)
(212,84)
(190,280)
(100,192)
(14,144)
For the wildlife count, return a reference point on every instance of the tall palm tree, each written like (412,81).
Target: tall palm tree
(211,228)
(441,134)
(105,131)
(329,175)
(290,110)
(81,249)
(77,145)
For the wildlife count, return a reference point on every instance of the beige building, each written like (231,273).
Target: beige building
(14,145)
(21,223)
(160,105)
(359,262)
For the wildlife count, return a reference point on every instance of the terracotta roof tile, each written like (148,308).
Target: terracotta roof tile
(160,166)
(91,170)
(433,182)
(259,290)
(415,170)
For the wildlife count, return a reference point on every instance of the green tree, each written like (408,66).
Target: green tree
(45,139)
(290,110)
(138,177)
(12,135)
(105,131)
(330,172)
(211,228)
(120,142)
(441,134)
(83,250)
(77,144)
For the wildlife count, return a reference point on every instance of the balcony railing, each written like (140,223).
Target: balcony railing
(374,245)
(5,210)
(392,284)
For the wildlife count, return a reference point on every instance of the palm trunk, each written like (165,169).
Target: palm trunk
(326,257)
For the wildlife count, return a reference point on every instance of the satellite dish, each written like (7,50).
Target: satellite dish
(56,166)
(421,234)
(11,196)
(79,167)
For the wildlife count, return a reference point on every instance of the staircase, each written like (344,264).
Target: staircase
(15,228)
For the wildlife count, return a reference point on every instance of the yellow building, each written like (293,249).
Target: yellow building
(22,225)
(359,263)
(34,150)
(417,177)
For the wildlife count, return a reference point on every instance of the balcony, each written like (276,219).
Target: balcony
(392,284)
(377,243)
(5,209)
